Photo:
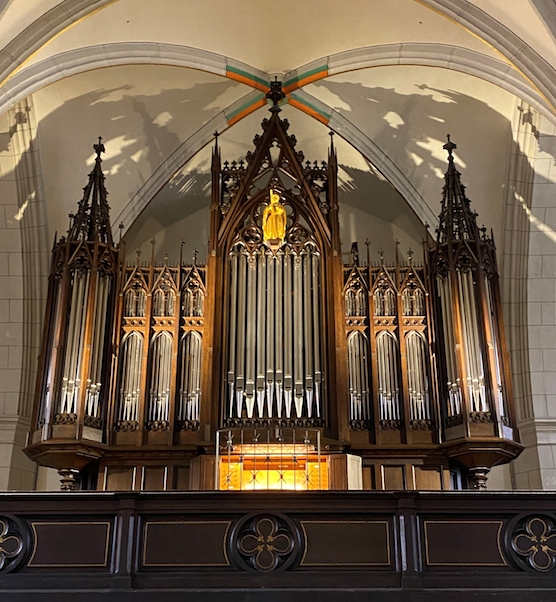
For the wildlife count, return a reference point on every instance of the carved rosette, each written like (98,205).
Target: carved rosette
(531,542)
(15,543)
(265,543)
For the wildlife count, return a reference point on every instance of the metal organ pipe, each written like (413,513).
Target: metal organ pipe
(316,330)
(160,377)
(130,304)
(270,342)
(454,391)
(190,386)
(261,331)
(388,387)
(132,356)
(499,392)
(298,329)
(307,331)
(417,376)
(274,338)
(94,384)
(472,348)
(74,348)
(141,303)
(288,360)
(279,330)
(358,376)
(251,293)
(240,351)
(234,258)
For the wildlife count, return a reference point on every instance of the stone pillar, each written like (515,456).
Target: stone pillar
(23,272)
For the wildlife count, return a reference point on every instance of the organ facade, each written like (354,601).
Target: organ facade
(278,364)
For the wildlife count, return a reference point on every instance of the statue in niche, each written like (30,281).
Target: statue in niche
(274,221)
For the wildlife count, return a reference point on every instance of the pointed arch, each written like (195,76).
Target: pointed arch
(160,381)
(129,387)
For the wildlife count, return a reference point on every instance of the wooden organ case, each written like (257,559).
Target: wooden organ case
(275,356)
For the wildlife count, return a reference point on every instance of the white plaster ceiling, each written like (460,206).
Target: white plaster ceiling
(146,112)
(143,113)
(273,36)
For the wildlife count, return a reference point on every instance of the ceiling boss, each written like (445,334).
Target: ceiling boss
(274,221)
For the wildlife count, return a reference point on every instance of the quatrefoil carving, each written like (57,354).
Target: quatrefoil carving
(265,542)
(266,545)
(535,543)
(14,542)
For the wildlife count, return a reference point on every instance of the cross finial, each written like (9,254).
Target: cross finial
(99,148)
(368,244)
(449,146)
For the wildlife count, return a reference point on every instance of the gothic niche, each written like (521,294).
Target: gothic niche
(275,311)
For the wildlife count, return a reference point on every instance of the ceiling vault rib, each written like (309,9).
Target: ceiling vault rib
(461,12)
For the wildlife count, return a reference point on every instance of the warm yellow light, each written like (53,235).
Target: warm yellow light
(262,469)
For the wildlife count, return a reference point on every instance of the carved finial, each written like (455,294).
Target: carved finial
(275,94)
(195,255)
(410,256)
(138,252)
(368,244)
(99,148)
(381,255)
(449,146)
(166,255)
(354,253)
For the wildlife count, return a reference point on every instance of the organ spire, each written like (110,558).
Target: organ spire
(456,221)
(92,220)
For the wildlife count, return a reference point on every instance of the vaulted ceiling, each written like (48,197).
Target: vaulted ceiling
(391,77)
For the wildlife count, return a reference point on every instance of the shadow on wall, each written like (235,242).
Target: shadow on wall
(139,132)
(411,129)
(371,209)
(179,212)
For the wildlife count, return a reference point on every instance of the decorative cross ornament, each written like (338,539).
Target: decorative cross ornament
(536,544)
(10,544)
(265,543)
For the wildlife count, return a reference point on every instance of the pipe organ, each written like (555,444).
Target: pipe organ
(150,373)
(274,359)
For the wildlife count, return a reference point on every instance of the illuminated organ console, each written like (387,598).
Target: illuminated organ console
(274,365)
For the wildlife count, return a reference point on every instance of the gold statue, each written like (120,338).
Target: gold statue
(274,219)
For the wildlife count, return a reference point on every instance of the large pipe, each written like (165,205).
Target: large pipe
(270,342)
(316,330)
(279,331)
(232,333)
(298,339)
(240,354)
(288,350)
(307,329)
(251,333)
(261,332)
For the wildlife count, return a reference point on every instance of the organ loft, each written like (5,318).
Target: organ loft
(283,362)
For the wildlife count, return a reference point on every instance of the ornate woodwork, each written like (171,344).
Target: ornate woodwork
(402,364)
